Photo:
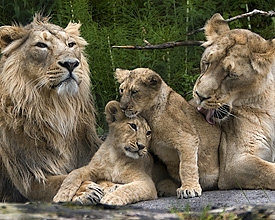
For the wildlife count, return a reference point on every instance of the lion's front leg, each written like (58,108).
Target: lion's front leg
(189,171)
(130,193)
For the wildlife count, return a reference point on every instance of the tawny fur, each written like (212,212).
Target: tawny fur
(238,71)
(47,115)
(120,160)
(181,137)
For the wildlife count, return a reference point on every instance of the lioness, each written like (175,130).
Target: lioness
(122,158)
(46,109)
(181,137)
(236,89)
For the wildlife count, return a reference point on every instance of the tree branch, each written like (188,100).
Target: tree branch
(254,12)
(162,46)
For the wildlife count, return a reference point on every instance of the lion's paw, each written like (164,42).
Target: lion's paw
(89,193)
(110,199)
(185,192)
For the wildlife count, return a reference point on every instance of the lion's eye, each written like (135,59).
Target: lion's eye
(121,91)
(148,133)
(205,66)
(133,126)
(232,76)
(71,44)
(41,45)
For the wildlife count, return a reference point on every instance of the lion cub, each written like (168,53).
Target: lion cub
(181,137)
(122,158)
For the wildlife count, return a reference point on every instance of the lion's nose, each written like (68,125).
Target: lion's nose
(70,65)
(201,97)
(140,146)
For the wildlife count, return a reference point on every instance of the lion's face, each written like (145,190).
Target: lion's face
(51,58)
(130,135)
(138,89)
(234,68)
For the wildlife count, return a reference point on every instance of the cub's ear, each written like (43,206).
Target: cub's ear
(121,74)
(113,112)
(215,26)
(10,33)
(153,80)
(73,28)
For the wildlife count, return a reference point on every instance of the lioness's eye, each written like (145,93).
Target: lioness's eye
(205,66)
(133,126)
(41,45)
(121,91)
(71,44)
(148,133)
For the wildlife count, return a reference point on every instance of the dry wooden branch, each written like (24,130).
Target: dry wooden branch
(163,46)
(254,12)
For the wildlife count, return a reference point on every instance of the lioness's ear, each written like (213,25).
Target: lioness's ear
(153,80)
(10,33)
(113,112)
(262,54)
(215,26)
(121,74)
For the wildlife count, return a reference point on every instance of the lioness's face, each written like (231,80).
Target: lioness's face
(138,91)
(234,68)
(50,57)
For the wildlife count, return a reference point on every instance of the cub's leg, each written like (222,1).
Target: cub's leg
(72,183)
(130,193)
(248,172)
(188,168)
(167,187)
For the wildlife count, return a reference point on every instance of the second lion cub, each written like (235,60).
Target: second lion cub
(181,137)
(122,159)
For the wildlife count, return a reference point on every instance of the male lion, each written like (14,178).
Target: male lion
(122,158)
(236,88)
(46,111)
(179,131)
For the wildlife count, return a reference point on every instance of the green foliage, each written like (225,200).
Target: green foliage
(126,22)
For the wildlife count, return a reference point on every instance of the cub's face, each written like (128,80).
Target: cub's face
(139,89)
(130,135)
(50,57)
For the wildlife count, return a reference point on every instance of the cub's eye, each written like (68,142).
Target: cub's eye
(205,66)
(134,92)
(133,126)
(71,44)
(148,133)
(41,45)
(121,91)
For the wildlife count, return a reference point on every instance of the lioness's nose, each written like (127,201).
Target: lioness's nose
(70,65)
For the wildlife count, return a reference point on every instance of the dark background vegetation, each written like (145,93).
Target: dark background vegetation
(129,22)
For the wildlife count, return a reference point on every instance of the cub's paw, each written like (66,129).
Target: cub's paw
(166,188)
(89,193)
(185,192)
(110,199)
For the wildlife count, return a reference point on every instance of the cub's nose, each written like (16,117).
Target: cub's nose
(140,146)
(70,65)
(201,98)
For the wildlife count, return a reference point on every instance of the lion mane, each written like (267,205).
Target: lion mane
(47,116)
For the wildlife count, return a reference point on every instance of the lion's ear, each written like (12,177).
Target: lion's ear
(215,26)
(73,28)
(10,33)
(113,112)
(121,74)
